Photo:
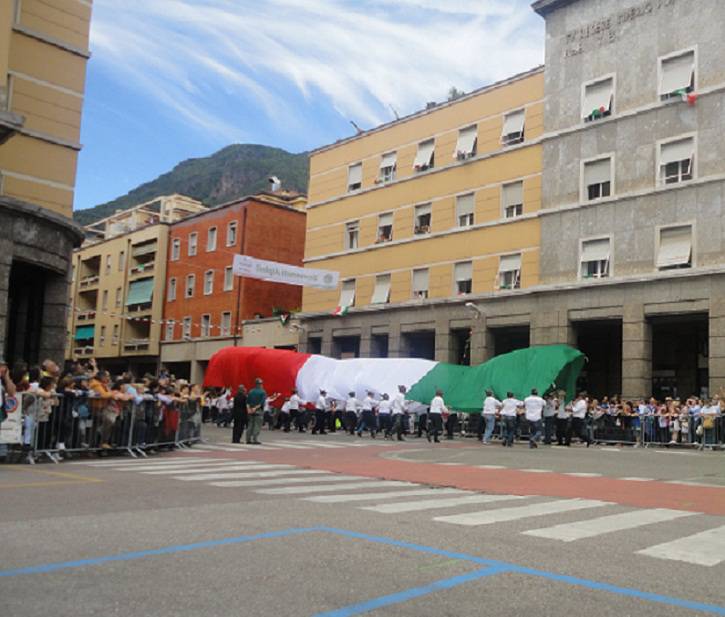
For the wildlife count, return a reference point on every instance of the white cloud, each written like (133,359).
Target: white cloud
(198,57)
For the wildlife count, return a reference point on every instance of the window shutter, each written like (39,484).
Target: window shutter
(425,153)
(513,194)
(675,246)
(597,172)
(463,271)
(595,250)
(385,219)
(466,141)
(388,160)
(465,204)
(354,174)
(677,73)
(381,294)
(509,263)
(423,210)
(597,96)
(680,150)
(420,280)
(347,297)
(513,123)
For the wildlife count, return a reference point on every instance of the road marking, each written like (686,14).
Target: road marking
(233,475)
(314,444)
(705,549)
(452,464)
(433,504)
(503,515)
(692,483)
(290,446)
(231,467)
(637,479)
(350,486)
(569,532)
(212,448)
(176,460)
(162,468)
(281,481)
(388,495)
(536,470)
(582,474)
(490,466)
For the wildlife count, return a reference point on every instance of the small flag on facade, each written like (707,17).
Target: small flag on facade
(284,318)
(341,311)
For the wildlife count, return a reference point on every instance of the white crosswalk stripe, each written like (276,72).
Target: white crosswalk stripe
(215,448)
(503,515)
(176,460)
(282,481)
(438,504)
(205,464)
(568,532)
(350,486)
(387,495)
(706,548)
(231,467)
(234,475)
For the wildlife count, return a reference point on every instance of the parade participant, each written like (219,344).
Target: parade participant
(491,406)
(367,417)
(351,407)
(284,416)
(384,418)
(534,406)
(239,414)
(578,416)
(563,424)
(320,409)
(435,416)
(255,405)
(399,407)
(296,409)
(550,410)
(509,409)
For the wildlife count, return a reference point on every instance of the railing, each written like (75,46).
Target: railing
(145,268)
(86,316)
(141,344)
(82,352)
(89,281)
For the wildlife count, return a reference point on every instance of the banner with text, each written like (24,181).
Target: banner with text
(11,429)
(244,265)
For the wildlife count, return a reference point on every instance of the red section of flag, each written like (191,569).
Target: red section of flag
(278,368)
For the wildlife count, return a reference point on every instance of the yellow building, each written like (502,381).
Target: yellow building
(422,216)
(117,287)
(43,55)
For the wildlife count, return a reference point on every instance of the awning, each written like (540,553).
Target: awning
(509,263)
(84,332)
(677,73)
(595,250)
(425,153)
(598,96)
(140,292)
(466,143)
(675,247)
(381,295)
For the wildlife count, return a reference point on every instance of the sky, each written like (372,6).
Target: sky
(175,79)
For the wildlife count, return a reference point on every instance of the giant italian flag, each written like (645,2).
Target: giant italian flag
(544,367)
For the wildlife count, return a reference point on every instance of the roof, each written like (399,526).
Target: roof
(544,7)
(424,112)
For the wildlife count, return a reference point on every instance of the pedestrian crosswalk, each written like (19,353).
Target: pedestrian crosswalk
(297,444)
(535,517)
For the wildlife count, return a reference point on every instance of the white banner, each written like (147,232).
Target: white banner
(244,265)
(11,430)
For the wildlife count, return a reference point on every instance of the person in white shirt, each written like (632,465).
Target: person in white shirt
(367,417)
(385,421)
(509,409)
(563,423)
(534,409)
(491,406)
(550,418)
(351,408)
(295,405)
(435,416)
(399,409)
(578,418)
(320,410)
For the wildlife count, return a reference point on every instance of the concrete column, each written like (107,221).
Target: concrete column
(443,341)
(636,353)
(55,314)
(716,346)
(394,340)
(327,342)
(551,328)
(481,342)
(366,342)
(196,372)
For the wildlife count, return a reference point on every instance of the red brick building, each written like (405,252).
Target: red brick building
(205,304)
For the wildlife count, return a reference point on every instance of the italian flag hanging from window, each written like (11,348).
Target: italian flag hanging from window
(341,311)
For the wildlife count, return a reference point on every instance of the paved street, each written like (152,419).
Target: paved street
(338,526)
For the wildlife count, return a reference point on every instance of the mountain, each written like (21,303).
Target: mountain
(232,172)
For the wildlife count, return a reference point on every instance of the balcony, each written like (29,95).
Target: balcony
(89,282)
(83,352)
(143,269)
(86,316)
(136,345)
(138,310)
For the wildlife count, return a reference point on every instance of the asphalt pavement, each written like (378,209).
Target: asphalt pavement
(337,525)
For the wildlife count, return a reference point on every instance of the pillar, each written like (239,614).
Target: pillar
(443,341)
(481,342)
(716,346)
(551,328)
(636,353)
(366,342)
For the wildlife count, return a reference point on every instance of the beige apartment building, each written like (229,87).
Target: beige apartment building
(43,55)
(118,282)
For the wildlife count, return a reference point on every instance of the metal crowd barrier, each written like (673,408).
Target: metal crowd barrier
(697,431)
(52,427)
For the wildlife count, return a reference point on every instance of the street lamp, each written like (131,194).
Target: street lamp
(473,308)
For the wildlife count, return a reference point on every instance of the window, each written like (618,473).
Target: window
(226,324)
(102,340)
(675,247)
(381,293)
(513,128)
(193,244)
(171,293)
(186,328)
(509,271)
(595,258)
(119,292)
(422,219)
(108,264)
(676,160)
(116,328)
(597,99)
(425,158)
(347,295)
(354,177)
(228,278)
(465,208)
(677,75)
(388,165)
(170,330)
(206,325)
(232,233)
(190,284)
(104,300)
(463,274)
(512,197)
(466,144)
(121,261)
(420,283)
(352,233)
(208,282)
(175,249)
(597,182)
(385,227)
(211,239)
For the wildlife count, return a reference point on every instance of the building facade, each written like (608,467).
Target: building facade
(207,307)
(621,230)
(43,55)
(118,282)
(422,216)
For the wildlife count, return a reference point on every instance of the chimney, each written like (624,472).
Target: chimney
(275,184)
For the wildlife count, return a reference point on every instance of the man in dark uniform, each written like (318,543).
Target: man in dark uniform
(239,414)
